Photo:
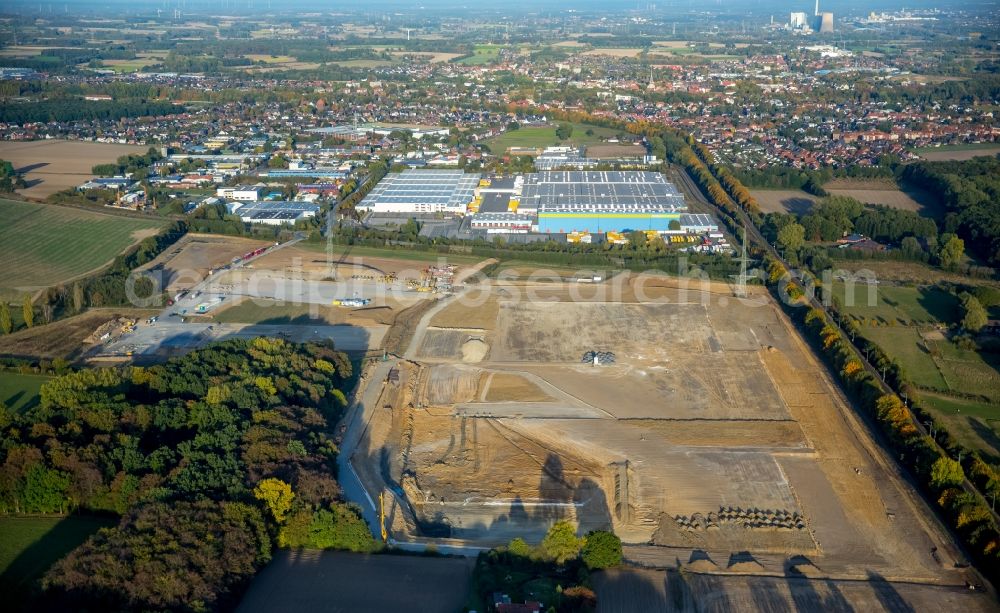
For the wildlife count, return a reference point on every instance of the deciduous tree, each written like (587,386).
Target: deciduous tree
(28,311)
(277,495)
(6,325)
(602,549)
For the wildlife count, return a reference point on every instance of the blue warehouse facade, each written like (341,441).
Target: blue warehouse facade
(601,201)
(598,222)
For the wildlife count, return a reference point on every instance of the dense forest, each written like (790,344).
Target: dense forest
(970,190)
(210,460)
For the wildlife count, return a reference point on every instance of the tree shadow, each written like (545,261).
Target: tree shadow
(625,590)
(299,320)
(988,436)
(798,205)
(767,596)
(887,595)
(805,596)
(18,582)
(30,167)
(939,304)
(930,205)
(15,398)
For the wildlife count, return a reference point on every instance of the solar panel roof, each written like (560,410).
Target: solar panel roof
(447,189)
(597,190)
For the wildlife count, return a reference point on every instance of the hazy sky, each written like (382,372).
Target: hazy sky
(242,6)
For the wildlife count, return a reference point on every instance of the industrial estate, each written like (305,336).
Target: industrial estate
(499,309)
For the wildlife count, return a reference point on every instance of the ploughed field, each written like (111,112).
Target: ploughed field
(43,245)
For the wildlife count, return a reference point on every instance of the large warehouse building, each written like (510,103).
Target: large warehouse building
(601,201)
(422,191)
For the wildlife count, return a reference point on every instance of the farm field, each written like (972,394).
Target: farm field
(783,200)
(482,54)
(545,136)
(54,165)
(30,545)
(140,62)
(933,362)
(20,392)
(433,57)
(306,580)
(886,192)
(43,245)
(620,52)
(362,63)
(957,152)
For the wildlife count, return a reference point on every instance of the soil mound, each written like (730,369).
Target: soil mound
(806,570)
(474,350)
(702,565)
(743,562)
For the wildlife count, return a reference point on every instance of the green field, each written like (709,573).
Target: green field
(942,365)
(43,245)
(20,392)
(525,269)
(938,363)
(969,372)
(546,137)
(984,147)
(975,425)
(482,54)
(429,257)
(904,345)
(273,312)
(899,305)
(30,545)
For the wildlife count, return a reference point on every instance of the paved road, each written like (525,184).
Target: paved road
(357,418)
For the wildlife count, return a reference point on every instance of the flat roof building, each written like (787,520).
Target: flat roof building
(563,157)
(503,223)
(422,191)
(601,201)
(277,213)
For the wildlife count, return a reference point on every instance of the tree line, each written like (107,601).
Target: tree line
(556,571)
(45,111)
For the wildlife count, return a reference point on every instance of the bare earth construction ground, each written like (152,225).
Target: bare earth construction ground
(715,435)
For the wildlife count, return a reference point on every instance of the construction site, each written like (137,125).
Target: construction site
(696,425)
